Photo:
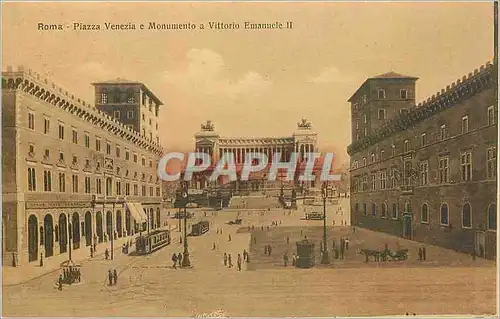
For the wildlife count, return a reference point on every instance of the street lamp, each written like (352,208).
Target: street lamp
(70,232)
(185,259)
(324,258)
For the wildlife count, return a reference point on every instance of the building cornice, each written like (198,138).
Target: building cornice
(36,85)
(474,83)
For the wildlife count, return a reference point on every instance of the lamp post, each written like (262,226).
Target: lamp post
(70,232)
(324,258)
(112,232)
(185,259)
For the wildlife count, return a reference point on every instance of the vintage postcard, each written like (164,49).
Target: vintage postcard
(251,159)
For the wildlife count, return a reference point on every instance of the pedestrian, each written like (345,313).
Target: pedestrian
(265,249)
(269,250)
(255,240)
(229,237)
(342,250)
(115,276)
(285,259)
(301,232)
(287,240)
(346,244)
(294,260)
(91,252)
(110,277)
(248,258)
(225,259)
(174,260)
(213,246)
(229,260)
(245,254)
(238,262)
(95,247)
(179,259)
(59,283)
(106,254)
(420,257)
(424,253)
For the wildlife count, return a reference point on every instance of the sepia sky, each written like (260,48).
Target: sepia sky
(252,82)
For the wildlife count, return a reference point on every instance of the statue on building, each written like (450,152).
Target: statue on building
(304,125)
(208,127)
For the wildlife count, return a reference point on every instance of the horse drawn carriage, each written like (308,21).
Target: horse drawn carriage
(71,273)
(384,255)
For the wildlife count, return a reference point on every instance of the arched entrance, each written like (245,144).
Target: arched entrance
(158,223)
(109,224)
(98,222)
(88,228)
(128,223)
(63,233)
(76,230)
(48,226)
(119,223)
(32,238)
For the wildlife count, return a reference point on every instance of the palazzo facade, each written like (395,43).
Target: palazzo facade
(427,171)
(76,173)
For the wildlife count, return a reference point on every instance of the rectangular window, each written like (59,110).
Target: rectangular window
(104,98)
(158,194)
(373,182)
(372,158)
(87,185)
(117,151)
(143,161)
(150,163)
(365,183)
(62,182)
(74,182)
(98,144)
(423,139)
(444,170)
(136,190)
(127,189)
(116,114)
(130,114)
(47,181)
(108,148)
(127,155)
(61,131)
(443,134)
(424,173)
(87,140)
(46,126)
(381,93)
(403,94)
(46,154)
(491,162)
(98,186)
(357,124)
(151,192)
(366,131)
(382,155)
(394,180)
(143,190)
(118,188)
(465,124)
(466,165)
(61,156)
(31,150)
(491,115)
(365,119)
(31,179)
(383,180)
(31,120)
(407,146)
(381,114)
(135,158)
(75,137)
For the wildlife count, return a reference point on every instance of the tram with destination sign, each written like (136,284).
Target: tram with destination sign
(148,243)
(200,228)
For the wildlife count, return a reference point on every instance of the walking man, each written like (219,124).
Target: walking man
(424,253)
(285,259)
(106,254)
(287,240)
(115,276)
(238,261)
(110,277)
(229,259)
(269,250)
(225,259)
(174,260)
(179,259)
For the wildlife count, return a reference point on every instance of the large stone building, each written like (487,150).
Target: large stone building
(302,141)
(427,172)
(75,173)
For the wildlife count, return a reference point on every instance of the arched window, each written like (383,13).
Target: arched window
(394,211)
(444,214)
(466,216)
(364,209)
(383,214)
(424,214)
(492,217)
(374,209)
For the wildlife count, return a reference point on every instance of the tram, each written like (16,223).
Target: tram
(200,228)
(148,243)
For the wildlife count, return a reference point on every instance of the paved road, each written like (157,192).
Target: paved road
(148,286)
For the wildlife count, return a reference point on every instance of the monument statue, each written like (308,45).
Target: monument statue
(304,125)
(208,127)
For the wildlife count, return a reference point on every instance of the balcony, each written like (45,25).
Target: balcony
(407,189)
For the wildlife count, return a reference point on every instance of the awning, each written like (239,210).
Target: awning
(134,212)
(141,211)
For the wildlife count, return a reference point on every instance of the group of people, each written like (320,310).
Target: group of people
(112,277)
(69,276)
(177,260)
(422,254)
(339,251)
(228,261)
(285,259)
